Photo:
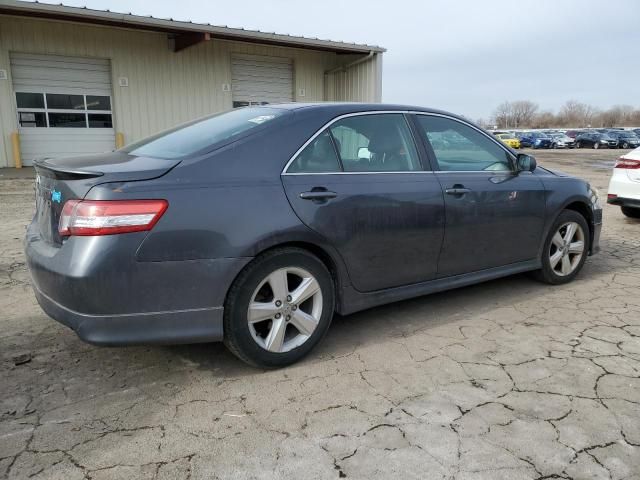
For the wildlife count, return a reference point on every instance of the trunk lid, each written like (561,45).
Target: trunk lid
(61,179)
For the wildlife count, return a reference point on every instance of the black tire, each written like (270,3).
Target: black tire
(596,145)
(578,145)
(625,145)
(546,274)
(237,335)
(630,212)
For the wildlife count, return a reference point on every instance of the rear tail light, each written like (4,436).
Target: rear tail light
(627,163)
(108,217)
(612,196)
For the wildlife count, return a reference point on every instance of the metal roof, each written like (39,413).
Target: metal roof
(169,25)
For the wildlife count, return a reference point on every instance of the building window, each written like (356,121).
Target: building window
(238,104)
(61,110)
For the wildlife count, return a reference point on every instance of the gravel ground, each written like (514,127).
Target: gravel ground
(510,379)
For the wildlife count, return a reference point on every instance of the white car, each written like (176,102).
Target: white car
(624,187)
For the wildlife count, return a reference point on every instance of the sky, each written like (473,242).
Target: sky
(464,56)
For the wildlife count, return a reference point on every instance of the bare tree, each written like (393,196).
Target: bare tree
(544,120)
(612,117)
(576,114)
(502,115)
(524,112)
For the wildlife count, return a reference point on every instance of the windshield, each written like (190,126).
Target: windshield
(202,133)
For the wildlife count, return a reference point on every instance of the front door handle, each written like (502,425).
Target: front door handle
(457,190)
(318,195)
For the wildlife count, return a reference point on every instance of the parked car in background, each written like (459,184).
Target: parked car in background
(636,131)
(560,140)
(240,226)
(595,140)
(624,187)
(508,139)
(625,138)
(534,140)
(573,133)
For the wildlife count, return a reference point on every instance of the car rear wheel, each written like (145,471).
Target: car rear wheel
(578,145)
(631,212)
(565,249)
(278,308)
(596,145)
(625,145)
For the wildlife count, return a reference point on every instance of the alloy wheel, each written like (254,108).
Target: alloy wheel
(285,309)
(567,248)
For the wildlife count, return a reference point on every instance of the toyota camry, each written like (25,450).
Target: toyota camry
(255,226)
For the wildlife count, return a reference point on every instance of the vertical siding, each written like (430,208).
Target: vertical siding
(359,83)
(165,88)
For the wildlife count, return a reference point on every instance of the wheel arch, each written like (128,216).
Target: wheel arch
(336,269)
(584,209)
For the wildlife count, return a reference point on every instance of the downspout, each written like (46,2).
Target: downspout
(344,68)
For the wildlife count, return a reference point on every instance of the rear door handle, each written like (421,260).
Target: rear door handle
(457,190)
(318,195)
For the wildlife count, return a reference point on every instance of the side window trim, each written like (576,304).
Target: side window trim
(431,152)
(335,149)
(327,126)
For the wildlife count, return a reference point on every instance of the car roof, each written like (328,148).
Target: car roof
(354,107)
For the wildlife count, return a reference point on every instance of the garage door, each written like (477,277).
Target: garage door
(258,80)
(63,105)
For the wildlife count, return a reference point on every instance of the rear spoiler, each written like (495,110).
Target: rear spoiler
(62,173)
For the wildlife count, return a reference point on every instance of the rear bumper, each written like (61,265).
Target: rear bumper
(97,287)
(176,327)
(624,202)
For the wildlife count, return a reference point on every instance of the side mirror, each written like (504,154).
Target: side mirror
(525,163)
(364,153)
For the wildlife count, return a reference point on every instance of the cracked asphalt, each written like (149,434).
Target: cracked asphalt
(510,379)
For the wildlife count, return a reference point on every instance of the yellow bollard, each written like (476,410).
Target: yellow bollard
(119,139)
(15,143)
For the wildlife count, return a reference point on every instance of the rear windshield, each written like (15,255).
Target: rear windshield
(198,135)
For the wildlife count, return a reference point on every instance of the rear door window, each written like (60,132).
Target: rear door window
(375,143)
(317,157)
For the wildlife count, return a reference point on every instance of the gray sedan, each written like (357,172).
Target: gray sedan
(256,225)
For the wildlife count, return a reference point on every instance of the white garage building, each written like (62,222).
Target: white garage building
(75,80)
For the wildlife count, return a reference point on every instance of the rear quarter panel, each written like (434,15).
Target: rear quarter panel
(227,204)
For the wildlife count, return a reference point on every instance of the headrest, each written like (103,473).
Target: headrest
(384,143)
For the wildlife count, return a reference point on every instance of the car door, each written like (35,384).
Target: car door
(494,215)
(361,185)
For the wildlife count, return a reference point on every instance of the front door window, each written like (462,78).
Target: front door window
(461,148)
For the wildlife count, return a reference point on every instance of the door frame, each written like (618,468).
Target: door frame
(425,162)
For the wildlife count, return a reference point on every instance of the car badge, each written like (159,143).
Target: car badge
(56,196)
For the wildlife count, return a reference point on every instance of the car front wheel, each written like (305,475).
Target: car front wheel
(565,249)
(278,308)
